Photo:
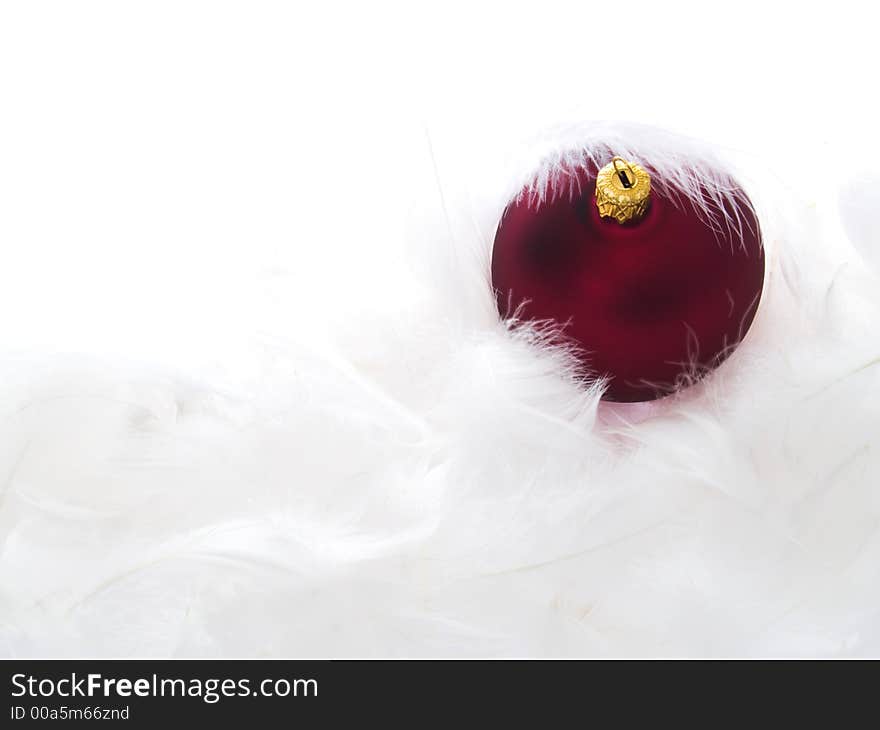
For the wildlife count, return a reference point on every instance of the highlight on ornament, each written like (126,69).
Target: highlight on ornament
(646,259)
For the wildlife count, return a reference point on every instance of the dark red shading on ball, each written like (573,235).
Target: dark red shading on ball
(652,305)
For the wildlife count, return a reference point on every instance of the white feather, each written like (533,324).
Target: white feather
(449,489)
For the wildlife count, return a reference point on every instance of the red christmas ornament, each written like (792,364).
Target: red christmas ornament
(654,289)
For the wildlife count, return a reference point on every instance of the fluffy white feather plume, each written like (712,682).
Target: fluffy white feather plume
(428,482)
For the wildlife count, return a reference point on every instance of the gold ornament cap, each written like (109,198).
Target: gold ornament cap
(623,191)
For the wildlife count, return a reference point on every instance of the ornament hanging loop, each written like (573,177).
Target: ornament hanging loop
(620,167)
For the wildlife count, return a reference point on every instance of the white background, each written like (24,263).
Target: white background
(172,173)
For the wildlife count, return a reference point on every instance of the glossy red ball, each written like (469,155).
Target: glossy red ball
(652,305)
